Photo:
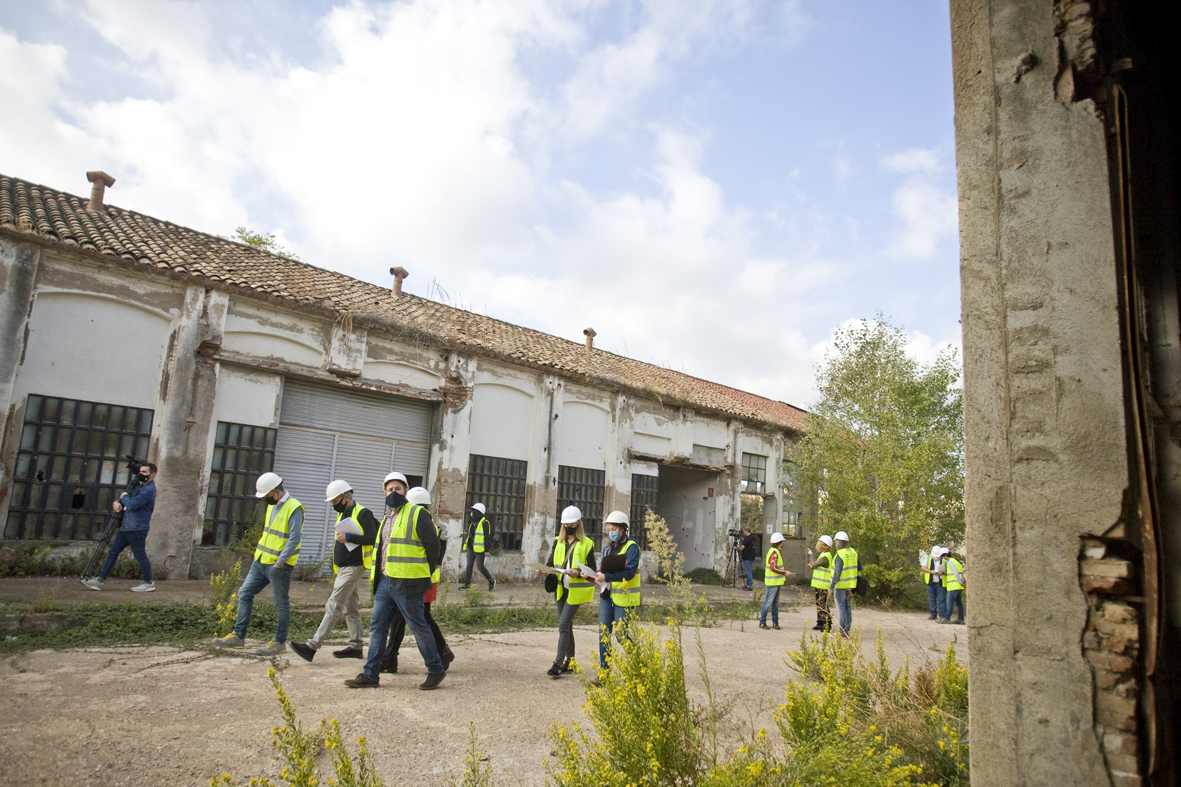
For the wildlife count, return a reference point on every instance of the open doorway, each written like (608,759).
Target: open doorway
(686,500)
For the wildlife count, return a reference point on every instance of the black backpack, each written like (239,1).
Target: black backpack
(862,588)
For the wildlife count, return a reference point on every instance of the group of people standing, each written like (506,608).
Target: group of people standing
(400,556)
(944,576)
(836,567)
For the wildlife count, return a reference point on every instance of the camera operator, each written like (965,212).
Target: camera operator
(746,551)
(137,505)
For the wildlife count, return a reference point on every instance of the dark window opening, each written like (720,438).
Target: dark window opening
(645,490)
(71,465)
(582,487)
(241,453)
(754,474)
(500,485)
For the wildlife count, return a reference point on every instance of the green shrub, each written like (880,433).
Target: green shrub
(39,560)
(705,576)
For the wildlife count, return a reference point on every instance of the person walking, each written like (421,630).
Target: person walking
(351,565)
(774,575)
(571,549)
(137,506)
(955,582)
(618,601)
(845,570)
(933,577)
(747,549)
(478,540)
(389,662)
(274,562)
(407,553)
(821,578)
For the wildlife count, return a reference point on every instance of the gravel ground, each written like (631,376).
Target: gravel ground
(162,716)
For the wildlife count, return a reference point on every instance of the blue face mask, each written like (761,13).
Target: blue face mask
(613,535)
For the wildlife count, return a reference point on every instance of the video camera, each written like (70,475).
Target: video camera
(133,466)
(734,533)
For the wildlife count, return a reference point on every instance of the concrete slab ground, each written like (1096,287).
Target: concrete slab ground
(158,715)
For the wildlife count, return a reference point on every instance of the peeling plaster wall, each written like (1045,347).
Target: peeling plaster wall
(1045,455)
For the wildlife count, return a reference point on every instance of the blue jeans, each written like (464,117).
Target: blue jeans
(771,602)
(566,613)
(935,595)
(259,576)
(955,599)
(128,538)
(844,597)
(747,566)
(475,559)
(611,617)
(413,608)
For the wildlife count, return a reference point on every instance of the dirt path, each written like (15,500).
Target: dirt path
(160,716)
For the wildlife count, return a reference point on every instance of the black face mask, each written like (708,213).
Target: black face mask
(395,499)
(143,479)
(571,531)
(340,508)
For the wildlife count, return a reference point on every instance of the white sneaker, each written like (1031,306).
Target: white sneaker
(144,587)
(93,584)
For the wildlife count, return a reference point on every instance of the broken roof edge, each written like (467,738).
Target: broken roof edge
(389,323)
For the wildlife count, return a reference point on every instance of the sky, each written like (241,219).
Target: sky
(714,186)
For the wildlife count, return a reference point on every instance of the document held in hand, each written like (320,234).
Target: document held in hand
(349,526)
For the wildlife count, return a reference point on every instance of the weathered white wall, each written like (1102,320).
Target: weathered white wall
(503,418)
(254,330)
(585,426)
(247,396)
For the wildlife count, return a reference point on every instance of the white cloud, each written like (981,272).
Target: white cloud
(926,210)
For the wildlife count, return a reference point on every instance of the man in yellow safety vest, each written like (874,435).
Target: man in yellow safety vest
(352,559)
(274,562)
(846,567)
(406,556)
(821,567)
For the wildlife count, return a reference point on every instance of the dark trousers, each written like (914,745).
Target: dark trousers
(823,619)
(128,538)
(398,632)
(475,559)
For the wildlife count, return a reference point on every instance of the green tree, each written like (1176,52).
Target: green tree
(884,452)
(267,242)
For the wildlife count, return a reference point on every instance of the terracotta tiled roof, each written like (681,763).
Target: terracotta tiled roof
(61,218)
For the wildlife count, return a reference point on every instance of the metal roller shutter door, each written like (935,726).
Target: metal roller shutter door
(304,461)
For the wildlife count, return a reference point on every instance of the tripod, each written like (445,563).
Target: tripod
(114,521)
(733,568)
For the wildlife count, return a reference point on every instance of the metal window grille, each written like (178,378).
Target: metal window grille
(241,453)
(754,474)
(645,490)
(71,465)
(579,486)
(500,485)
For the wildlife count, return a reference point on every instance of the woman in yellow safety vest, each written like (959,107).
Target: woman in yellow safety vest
(821,578)
(955,582)
(774,575)
(617,602)
(571,550)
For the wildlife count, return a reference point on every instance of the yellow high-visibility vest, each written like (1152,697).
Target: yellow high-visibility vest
(626,593)
(848,578)
(366,550)
(274,533)
(405,556)
(929,578)
(481,529)
(580,590)
(770,578)
(949,580)
(822,574)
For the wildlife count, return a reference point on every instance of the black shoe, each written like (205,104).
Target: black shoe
(764,626)
(491,585)
(958,623)
(932,617)
(554,672)
(567,669)
(447,656)
(390,663)
(305,652)
(433,679)
(816,628)
(775,626)
(348,653)
(464,587)
(362,681)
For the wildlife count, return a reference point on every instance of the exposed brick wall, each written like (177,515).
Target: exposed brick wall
(1111,644)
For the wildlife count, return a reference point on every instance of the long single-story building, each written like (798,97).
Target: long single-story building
(123,334)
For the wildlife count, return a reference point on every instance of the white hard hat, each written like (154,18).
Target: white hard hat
(419,496)
(842,536)
(777,537)
(826,540)
(266,484)
(336,489)
(395,477)
(570,515)
(937,551)
(617,518)
(479,507)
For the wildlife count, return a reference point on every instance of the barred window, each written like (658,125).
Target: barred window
(754,474)
(500,485)
(71,464)
(241,453)
(645,490)
(582,487)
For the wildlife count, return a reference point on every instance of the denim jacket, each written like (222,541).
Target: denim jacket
(138,507)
